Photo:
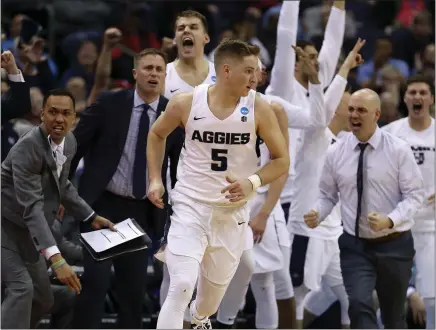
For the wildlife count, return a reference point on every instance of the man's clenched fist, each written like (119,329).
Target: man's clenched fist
(311,219)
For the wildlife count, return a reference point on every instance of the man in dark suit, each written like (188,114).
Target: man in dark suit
(15,103)
(112,136)
(34,184)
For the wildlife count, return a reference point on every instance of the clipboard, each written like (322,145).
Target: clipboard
(140,243)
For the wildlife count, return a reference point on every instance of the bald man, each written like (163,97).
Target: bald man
(381,188)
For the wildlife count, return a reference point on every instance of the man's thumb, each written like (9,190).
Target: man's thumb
(229,179)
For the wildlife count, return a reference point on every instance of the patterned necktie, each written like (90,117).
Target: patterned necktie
(140,165)
(362,147)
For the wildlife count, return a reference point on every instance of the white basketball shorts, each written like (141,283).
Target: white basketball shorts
(425,263)
(214,236)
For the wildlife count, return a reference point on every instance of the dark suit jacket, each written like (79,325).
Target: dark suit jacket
(101,135)
(16,102)
(32,192)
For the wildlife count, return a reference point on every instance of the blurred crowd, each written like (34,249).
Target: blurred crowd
(88,47)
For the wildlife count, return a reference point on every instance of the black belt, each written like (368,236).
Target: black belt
(387,238)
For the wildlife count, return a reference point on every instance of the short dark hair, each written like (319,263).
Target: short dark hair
(58,92)
(150,51)
(234,48)
(420,79)
(193,13)
(303,44)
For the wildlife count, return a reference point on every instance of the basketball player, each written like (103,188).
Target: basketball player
(190,69)
(418,129)
(293,88)
(216,177)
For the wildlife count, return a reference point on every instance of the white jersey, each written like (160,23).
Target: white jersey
(215,148)
(175,85)
(423,147)
(309,163)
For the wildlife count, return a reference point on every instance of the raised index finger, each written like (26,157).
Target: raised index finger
(358,46)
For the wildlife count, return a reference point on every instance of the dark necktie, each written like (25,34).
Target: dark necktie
(362,147)
(333,141)
(140,165)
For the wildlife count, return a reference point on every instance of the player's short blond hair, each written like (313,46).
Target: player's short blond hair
(235,49)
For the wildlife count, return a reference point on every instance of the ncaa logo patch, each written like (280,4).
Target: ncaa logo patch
(244,111)
(213,78)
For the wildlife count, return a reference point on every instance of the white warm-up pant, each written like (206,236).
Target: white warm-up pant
(425,272)
(322,265)
(201,237)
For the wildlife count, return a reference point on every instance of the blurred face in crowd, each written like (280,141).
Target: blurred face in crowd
(15,28)
(77,87)
(313,57)
(87,54)
(190,37)
(36,99)
(383,49)
(391,76)
(422,27)
(149,73)
(227,34)
(389,108)
(58,116)
(418,99)
(363,113)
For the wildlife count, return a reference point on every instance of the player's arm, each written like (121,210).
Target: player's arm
(282,74)
(267,128)
(167,122)
(332,44)
(276,187)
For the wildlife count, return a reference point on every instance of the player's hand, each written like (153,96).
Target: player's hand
(237,189)
(354,59)
(431,199)
(66,275)
(155,192)
(112,36)
(379,222)
(258,225)
(312,219)
(310,67)
(8,63)
(100,223)
(418,308)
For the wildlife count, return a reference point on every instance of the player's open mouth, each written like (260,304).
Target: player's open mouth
(417,107)
(153,82)
(58,129)
(187,42)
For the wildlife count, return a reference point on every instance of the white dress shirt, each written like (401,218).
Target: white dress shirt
(16,77)
(59,157)
(392,183)
(422,144)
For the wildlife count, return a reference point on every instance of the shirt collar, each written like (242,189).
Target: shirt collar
(138,102)
(374,140)
(55,146)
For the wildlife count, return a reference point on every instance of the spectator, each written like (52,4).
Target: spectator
(424,62)
(33,117)
(77,87)
(409,41)
(83,66)
(389,108)
(369,74)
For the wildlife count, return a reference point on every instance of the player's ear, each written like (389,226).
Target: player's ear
(206,39)
(134,73)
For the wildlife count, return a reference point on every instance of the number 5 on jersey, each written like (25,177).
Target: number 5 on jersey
(219,160)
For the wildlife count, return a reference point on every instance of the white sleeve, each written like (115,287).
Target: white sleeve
(333,97)
(50,251)
(299,117)
(329,192)
(331,46)
(16,77)
(282,74)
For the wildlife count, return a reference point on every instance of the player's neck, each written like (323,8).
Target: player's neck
(198,63)
(225,95)
(420,124)
(302,80)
